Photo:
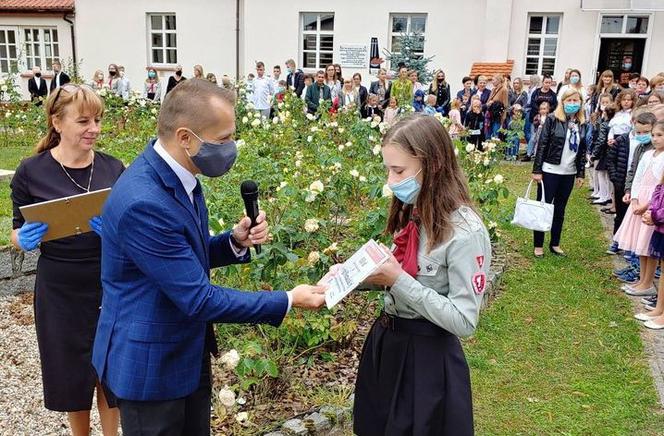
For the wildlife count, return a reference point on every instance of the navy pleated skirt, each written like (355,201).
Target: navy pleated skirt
(413,379)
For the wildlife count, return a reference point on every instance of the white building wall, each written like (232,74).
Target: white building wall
(20,22)
(272,34)
(205,35)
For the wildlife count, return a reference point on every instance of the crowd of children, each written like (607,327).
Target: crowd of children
(627,163)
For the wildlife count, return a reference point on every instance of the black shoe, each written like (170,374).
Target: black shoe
(526,159)
(557,253)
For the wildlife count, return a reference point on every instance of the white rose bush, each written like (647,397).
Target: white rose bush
(322,186)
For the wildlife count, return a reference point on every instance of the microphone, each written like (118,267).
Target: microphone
(249,192)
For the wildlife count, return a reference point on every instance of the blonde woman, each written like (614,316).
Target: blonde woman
(198,72)
(498,104)
(152,88)
(559,160)
(68,287)
(574,83)
(97,82)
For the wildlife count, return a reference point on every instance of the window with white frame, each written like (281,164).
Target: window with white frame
(407,24)
(41,47)
(317,36)
(8,51)
(625,24)
(542,46)
(162,39)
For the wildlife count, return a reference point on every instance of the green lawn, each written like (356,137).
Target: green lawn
(10,157)
(558,351)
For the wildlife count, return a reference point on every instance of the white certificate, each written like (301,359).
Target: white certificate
(353,272)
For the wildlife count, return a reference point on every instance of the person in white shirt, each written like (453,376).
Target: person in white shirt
(263,91)
(276,76)
(124,86)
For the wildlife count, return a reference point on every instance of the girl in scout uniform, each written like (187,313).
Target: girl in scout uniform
(413,378)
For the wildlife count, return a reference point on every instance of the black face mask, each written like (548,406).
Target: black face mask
(112,73)
(37,74)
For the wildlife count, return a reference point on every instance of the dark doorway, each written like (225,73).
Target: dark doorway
(623,56)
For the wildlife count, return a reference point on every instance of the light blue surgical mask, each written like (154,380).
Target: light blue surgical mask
(571,108)
(574,80)
(407,189)
(643,138)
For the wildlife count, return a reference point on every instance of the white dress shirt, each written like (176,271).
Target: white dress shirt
(262,93)
(189,183)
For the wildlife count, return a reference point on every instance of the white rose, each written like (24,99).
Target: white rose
(341,147)
(487,162)
(314,257)
(349,144)
(245,120)
(240,143)
(331,249)
(355,173)
(387,192)
(275,120)
(256,122)
(298,163)
(314,129)
(310,117)
(374,124)
(371,138)
(498,179)
(316,186)
(257,114)
(250,106)
(341,130)
(376,150)
(311,225)
(226,397)
(4,88)
(280,105)
(242,417)
(492,224)
(363,179)
(469,147)
(230,359)
(311,196)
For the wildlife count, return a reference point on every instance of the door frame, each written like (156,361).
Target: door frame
(598,31)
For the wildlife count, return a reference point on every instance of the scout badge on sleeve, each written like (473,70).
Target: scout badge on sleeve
(479,282)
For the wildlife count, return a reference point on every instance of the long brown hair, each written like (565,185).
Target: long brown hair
(65,98)
(444,187)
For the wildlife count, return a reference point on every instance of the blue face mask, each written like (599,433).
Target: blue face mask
(214,160)
(643,138)
(574,80)
(571,108)
(407,189)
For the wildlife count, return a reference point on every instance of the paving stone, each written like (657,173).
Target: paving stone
(319,421)
(6,174)
(295,427)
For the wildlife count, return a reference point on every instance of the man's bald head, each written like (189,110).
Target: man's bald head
(191,104)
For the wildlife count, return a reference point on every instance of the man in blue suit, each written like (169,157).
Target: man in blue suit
(154,337)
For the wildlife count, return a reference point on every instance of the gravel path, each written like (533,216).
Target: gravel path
(22,409)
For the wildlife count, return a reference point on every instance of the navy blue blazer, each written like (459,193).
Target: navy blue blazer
(157,300)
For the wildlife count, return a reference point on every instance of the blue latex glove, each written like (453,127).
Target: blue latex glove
(95,224)
(31,234)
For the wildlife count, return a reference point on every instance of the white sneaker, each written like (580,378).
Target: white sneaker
(644,316)
(634,293)
(651,324)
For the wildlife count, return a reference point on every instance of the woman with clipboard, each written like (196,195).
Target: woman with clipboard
(68,286)
(413,378)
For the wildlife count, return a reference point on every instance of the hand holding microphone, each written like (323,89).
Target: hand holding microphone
(252,230)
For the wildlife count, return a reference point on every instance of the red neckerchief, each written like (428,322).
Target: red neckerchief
(407,243)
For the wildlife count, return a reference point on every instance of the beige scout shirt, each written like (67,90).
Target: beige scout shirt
(451,279)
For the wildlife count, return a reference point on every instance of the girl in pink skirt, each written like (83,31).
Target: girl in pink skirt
(633,234)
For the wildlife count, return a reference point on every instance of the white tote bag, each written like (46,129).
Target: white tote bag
(533,214)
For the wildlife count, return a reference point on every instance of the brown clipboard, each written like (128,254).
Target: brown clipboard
(66,216)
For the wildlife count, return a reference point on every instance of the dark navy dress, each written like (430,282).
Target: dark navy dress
(68,285)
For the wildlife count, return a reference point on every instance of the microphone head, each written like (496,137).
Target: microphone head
(249,188)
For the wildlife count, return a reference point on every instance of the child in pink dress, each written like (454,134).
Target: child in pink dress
(654,216)
(455,119)
(633,234)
